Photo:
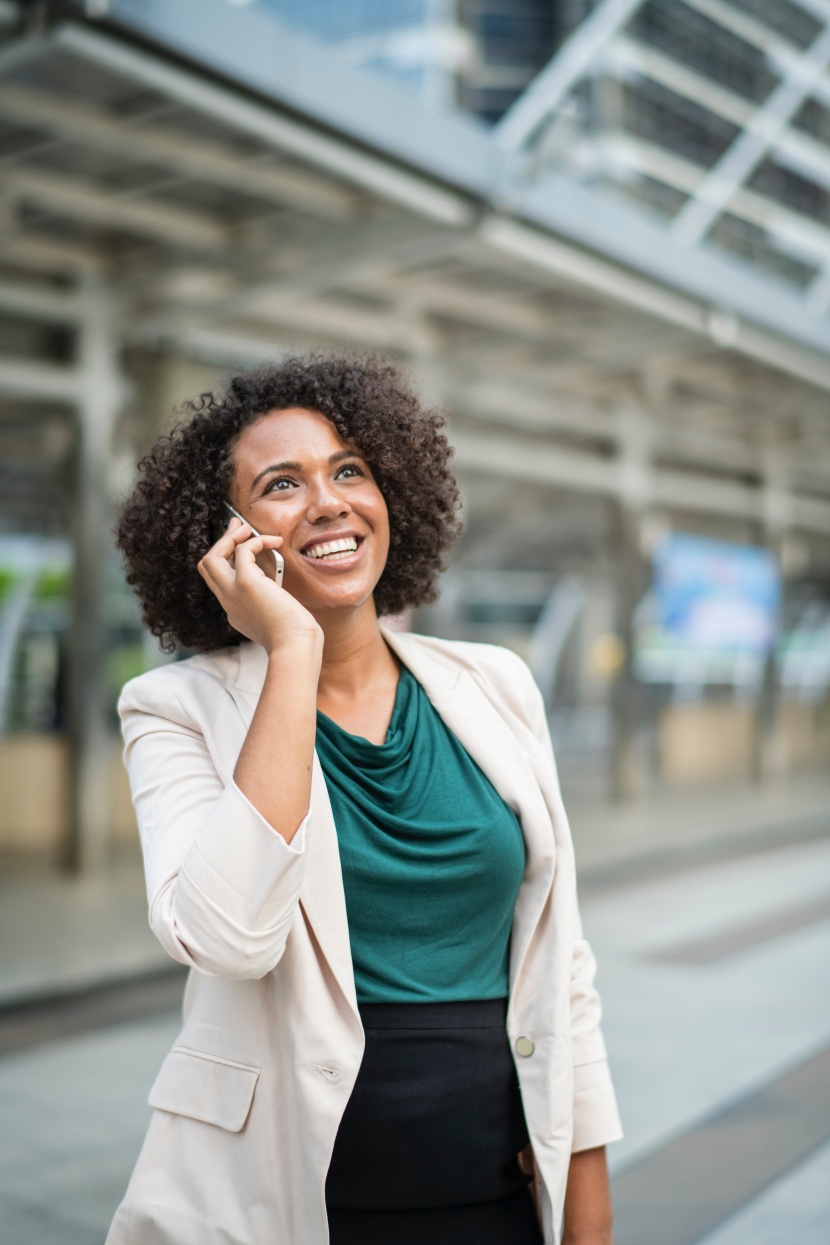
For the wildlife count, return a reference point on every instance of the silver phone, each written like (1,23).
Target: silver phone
(278,558)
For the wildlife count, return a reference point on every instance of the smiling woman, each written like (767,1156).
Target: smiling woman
(176,511)
(354,838)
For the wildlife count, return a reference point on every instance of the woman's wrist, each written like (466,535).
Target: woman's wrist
(302,645)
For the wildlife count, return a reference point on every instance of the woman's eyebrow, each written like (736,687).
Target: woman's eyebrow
(341,454)
(333,458)
(276,467)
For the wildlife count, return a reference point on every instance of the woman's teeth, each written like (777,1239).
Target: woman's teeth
(333,548)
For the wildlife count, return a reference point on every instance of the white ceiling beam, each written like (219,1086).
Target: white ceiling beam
(40,253)
(338,156)
(176,151)
(716,189)
(669,434)
(784,56)
(21,51)
(677,491)
(551,86)
(541,251)
(83,200)
(504,404)
(364,251)
(793,149)
(546,254)
(628,54)
(801,235)
(491,309)
(818,293)
(227,349)
(40,302)
(502,455)
(40,382)
(335,322)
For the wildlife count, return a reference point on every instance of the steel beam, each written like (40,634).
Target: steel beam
(181,155)
(609,281)
(82,200)
(39,382)
(781,54)
(22,51)
(39,302)
(367,250)
(676,491)
(307,142)
(576,56)
(745,153)
(40,253)
(793,148)
(795,233)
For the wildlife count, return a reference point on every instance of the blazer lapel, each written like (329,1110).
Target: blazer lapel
(321,898)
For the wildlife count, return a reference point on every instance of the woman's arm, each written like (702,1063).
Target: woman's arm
(274,766)
(282,732)
(222,885)
(588,1214)
(223,881)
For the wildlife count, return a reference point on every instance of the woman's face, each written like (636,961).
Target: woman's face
(294,477)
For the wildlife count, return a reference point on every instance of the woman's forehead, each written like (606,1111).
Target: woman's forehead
(294,432)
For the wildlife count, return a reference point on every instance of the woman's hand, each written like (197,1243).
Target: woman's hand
(256,606)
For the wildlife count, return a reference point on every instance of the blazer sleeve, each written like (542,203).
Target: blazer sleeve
(596,1116)
(222,883)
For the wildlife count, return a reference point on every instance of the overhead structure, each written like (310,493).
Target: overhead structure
(715,114)
(611,307)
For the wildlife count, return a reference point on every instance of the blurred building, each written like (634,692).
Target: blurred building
(597,232)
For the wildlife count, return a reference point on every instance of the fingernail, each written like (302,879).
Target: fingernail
(234,523)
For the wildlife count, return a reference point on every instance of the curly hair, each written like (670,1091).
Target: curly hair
(175,511)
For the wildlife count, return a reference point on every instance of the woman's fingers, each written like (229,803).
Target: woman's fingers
(234,555)
(246,554)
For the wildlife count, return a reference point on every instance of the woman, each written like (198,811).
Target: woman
(390,1025)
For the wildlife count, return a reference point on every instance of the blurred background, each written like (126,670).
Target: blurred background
(598,232)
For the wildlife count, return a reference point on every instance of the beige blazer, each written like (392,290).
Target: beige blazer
(248,1102)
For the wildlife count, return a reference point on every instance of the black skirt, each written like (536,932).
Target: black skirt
(427,1151)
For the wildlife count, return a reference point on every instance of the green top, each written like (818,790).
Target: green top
(432,858)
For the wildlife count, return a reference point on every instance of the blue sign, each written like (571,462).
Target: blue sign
(717,596)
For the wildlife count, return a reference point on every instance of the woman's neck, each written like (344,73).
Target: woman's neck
(356,657)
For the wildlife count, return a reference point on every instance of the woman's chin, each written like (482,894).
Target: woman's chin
(344,601)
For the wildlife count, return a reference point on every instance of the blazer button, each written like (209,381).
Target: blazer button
(524,1047)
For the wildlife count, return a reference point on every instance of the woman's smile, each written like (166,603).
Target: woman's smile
(335,551)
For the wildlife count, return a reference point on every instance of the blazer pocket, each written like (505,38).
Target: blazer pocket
(204,1087)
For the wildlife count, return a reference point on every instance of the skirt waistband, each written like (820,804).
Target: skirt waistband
(465,1014)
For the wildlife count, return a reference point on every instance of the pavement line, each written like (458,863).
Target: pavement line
(52,1019)
(654,863)
(750,934)
(685,1190)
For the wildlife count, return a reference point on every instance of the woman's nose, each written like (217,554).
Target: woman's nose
(325,502)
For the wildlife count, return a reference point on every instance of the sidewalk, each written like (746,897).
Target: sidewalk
(60,935)
(699,823)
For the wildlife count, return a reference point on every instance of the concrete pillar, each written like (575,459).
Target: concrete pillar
(102,390)
(777,518)
(628,777)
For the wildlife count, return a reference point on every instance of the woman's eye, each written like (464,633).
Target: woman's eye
(352,468)
(281,484)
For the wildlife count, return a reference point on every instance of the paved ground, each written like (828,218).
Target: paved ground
(714,972)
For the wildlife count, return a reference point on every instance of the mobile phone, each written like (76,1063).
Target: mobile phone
(278,558)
